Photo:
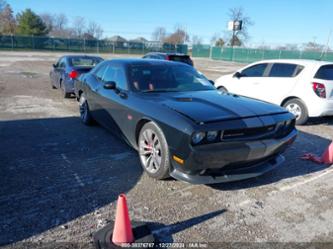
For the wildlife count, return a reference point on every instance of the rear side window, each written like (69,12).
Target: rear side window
(184,59)
(325,72)
(84,61)
(283,70)
(255,71)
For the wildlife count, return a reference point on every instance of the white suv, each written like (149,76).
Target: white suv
(303,87)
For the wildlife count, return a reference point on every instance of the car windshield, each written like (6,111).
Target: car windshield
(85,61)
(167,78)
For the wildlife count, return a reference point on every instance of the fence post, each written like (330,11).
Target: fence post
(143,48)
(210,52)
(280,52)
(113,47)
(97,46)
(84,44)
(248,55)
(12,38)
(32,42)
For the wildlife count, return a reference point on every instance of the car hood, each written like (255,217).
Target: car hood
(210,106)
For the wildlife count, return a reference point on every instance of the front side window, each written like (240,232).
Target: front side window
(325,72)
(62,63)
(116,74)
(283,70)
(99,71)
(255,71)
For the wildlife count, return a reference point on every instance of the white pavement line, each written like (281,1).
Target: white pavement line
(65,158)
(243,203)
(78,180)
(310,179)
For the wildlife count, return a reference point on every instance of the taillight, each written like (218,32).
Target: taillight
(319,89)
(73,74)
(168,58)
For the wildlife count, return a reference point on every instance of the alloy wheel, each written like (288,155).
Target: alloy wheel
(294,109)
(150,151)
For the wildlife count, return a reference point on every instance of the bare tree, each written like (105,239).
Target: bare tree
(219,42)
(313,46)
(7,20)
(60,22)
(79,26)
(159,34)
(179,36)
(48,19)
(95,30)
(214,38)
(288,46)
(238,14)
(196,40)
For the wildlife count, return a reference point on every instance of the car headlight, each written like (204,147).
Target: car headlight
(197,137)
(211,136)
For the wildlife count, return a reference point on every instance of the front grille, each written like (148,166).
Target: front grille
(248,133)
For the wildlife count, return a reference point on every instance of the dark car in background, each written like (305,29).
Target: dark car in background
(181,125)
(170,57)
(68,68)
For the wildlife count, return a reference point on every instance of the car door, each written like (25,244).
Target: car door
(53,73)
(114,102)
(95,84)
(279,83)
(247,79)
(59,72)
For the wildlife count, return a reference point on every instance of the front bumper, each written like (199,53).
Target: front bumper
(231,161)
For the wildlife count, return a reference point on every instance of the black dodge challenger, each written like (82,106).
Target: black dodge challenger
(180,124)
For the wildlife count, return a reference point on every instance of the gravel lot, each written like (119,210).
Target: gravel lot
(60,179)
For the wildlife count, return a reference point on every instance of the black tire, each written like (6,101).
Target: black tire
(85,114)
(161,148)
(300,108)
(222,89)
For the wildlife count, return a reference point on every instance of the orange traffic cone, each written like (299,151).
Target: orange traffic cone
(122,231)
(327,157)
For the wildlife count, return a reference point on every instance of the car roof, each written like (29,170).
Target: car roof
(140,61)
(166,53)
(303,62)
(83,55)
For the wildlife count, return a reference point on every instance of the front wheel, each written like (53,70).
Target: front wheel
(85,114)
(298,108)
(154,151)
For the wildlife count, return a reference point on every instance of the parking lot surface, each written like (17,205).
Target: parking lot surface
(60,179)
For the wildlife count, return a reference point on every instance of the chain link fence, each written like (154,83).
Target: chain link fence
(248,55)
(88,46)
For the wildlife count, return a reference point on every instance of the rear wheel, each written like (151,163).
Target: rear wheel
(298,108)
(154,151)
(85,114)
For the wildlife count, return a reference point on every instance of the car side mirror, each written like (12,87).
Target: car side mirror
(212,82)
(237,75)
(54,65)
(111,85)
